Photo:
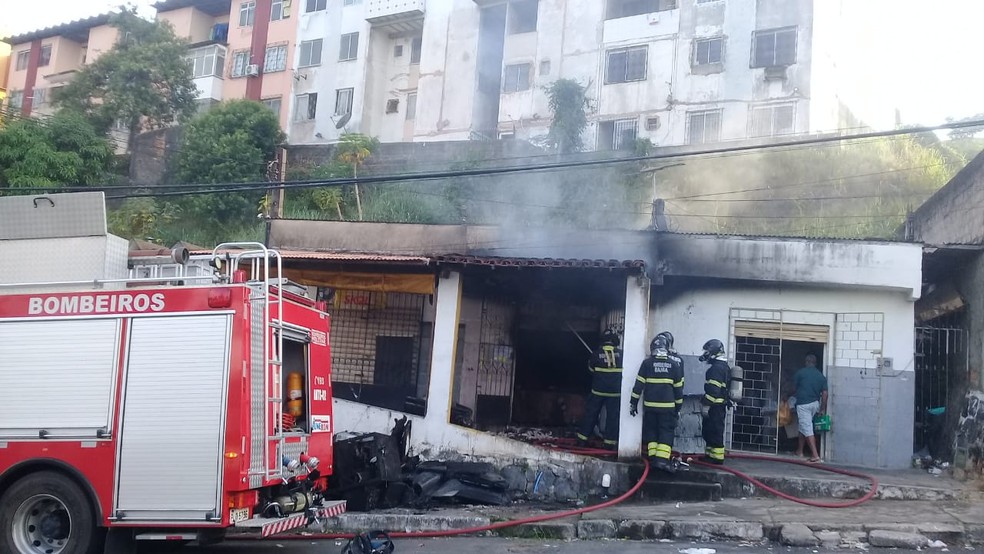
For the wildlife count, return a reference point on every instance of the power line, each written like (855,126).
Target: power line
(316,183)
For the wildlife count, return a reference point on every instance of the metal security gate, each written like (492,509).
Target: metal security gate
(940,353)
(496,363)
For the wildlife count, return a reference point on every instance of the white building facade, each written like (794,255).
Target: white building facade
(672,71)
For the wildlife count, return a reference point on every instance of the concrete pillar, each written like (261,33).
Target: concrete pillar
(446,315)
(635,346)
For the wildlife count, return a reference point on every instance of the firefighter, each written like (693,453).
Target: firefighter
(606,391)
(715,401)
(660,382)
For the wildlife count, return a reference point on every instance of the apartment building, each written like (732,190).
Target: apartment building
(205,25)
(4,64)
(673,71)
(44,60)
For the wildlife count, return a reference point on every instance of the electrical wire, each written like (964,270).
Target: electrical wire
(318,183)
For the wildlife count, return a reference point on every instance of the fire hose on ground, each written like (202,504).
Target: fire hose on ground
(627,495)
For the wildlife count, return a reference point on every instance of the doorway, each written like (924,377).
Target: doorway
(770,353)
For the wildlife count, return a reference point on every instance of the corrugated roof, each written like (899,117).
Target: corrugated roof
(780,237)
(342,256)
(77,30)
(501,261)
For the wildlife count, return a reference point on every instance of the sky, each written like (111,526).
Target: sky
(926,52)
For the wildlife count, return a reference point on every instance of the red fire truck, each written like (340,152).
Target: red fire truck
(160,407)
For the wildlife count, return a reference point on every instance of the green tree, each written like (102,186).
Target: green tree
(354,149)
(231,143)
(569,104)
(63,150)
(144,82)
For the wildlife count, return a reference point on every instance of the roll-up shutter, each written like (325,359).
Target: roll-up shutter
(784,331)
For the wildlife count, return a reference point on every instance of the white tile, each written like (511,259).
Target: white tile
(843,362)
(746,314)
(839,353)
(875,326)
(859,345)
(851,317)
(874,345)
(866,317)
(866,335)
(871,363)
(878,335)
(859,326)
(850,354)
(879,317)
(850,335)
(857,363)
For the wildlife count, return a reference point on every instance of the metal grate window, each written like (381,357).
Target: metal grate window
(378,353)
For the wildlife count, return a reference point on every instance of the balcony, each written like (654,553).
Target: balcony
(396,16)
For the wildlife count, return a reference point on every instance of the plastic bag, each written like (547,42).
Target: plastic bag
(785,414)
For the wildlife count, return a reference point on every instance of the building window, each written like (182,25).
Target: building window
(306,107)
(626,64)
(772,120)
(310,53)
(708,1)
(240,60)
(544,68)
(45,58)
(703,127)
(708,51)
(247,11)
(280,9)
(350,2)
(16,99)
(517,77)
(628,8)
(415,47)
(398,51)
(207,62)
(774,47)
(392,105)
(343,101)
(349,49)
(522,16)
(411,106)
(275,59)
(23,58)
(38,96)
(315,5)
(273,104)
(619,134)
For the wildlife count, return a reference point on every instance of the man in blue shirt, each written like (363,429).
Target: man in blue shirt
(811,399)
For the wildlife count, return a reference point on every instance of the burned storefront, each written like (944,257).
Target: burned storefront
(526,331)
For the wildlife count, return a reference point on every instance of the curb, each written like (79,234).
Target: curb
(904,536)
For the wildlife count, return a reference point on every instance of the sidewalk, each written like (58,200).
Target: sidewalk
(904,524)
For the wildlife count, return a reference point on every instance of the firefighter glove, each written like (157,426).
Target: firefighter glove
(633,409)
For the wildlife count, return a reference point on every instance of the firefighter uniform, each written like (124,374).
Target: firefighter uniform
(715,401)
(606,392)
(660,384)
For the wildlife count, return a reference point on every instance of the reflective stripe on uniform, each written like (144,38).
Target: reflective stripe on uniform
(717,383)
(607,394)
(582,437)
(679,401)
(636,395)
(659,381)
(714,453)
(609,441)
(714,400)
(678,384)
(660,404)
(607,369)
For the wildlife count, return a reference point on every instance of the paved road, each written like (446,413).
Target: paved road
(510,546)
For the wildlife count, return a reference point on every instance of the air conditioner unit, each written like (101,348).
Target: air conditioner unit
(652,123)
(252,70)
(775,73)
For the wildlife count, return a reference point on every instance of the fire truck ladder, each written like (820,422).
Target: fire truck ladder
(261,261)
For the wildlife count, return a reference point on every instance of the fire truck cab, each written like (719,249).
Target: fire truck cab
(169,404)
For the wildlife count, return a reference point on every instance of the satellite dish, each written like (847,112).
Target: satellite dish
(343,120)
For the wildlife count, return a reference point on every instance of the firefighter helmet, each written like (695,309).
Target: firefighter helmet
(712,348)
(669,338)
(659,342)
(609,337)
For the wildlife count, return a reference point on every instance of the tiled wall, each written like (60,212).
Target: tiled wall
(754,419)
(857,389)
(859,340)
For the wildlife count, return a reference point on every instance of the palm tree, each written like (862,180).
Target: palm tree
(355,149)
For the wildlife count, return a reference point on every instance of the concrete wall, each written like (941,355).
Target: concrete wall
(952,215)
(192,24)
(892,265)
(871,408)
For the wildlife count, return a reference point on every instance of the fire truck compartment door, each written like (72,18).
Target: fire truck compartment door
(174,408)
(57,376)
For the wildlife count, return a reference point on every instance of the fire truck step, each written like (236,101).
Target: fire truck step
(269,526)
(166,536)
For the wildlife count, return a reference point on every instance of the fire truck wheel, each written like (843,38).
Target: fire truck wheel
(47,513)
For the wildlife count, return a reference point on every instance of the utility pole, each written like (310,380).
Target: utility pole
(277,194)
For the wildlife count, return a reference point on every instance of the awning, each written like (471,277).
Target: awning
(418,283)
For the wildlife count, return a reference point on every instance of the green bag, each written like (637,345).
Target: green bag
(821,423)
